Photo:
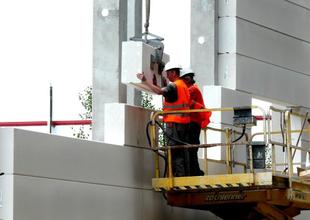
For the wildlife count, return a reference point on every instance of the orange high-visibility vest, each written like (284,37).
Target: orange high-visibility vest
(201,118)
(182,103)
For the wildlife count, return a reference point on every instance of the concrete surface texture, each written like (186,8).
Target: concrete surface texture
(264,48)
(55,178)
(254,48)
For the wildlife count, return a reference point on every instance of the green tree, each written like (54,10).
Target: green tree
(86,99)
(146,101)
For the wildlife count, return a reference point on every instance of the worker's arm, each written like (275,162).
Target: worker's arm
(153,87)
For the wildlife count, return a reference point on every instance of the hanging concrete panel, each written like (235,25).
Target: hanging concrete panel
(278,15)
(264,44)
(263,79)
(138,57)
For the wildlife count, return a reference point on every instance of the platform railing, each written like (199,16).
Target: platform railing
(290,148)
(228,142)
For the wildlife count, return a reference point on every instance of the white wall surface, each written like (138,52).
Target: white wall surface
(264,48)
(220,97)
(55,178)
(301,3)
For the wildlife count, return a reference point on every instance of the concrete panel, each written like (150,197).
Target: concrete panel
(302,3)
(110,29)
(50,199)
(227,70)
(204,41)
(6,197)
(304,215)
(227,35)
(265,45)
(125,125)
(7,140)
(51,156)
(278,15)
(138,57)
(220,97)
(265,80)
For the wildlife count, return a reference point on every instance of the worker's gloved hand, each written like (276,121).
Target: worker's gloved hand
(141,76)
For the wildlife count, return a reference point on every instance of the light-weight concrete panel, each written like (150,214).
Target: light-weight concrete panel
(50,199)
(58,178)
(264,45)
(7,140)
(138,57)
(302,3)
(204,41)
(265,80)
(125,125)
(6,197)
(110,29)
(278,15)
(220,97)
(51,156)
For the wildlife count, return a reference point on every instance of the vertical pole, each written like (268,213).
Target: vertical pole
(251,158)
(288,145)
(228,150)
(134,29)
(50,122)
(154,146)
(170,174)
(273,158)
(205,141)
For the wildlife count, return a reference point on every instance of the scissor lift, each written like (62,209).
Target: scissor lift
(253,194)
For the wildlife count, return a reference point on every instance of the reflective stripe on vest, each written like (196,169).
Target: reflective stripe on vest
(180,106)
(182,103)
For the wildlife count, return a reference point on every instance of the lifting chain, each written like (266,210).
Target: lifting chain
(147,16)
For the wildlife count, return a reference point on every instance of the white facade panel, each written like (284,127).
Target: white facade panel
(302,3)
(7,152)
(50,199)
(51,156)
(227,70)
(220,97)
(6,197)
(278,15)
(123,124)
(227,41)
(57,178)
(265,80)
(268,46)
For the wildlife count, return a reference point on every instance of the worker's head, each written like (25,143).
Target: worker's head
(173,71)
(188,76)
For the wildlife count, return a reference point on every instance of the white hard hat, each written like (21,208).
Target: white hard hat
(171,65)
(186,71)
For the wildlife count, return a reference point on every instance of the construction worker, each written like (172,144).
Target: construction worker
(176,97)
(197,120)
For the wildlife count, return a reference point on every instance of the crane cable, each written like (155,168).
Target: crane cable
(147,16)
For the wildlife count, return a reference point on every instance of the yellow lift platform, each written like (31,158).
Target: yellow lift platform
(277,192)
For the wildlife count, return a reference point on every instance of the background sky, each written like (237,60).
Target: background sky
(44,42)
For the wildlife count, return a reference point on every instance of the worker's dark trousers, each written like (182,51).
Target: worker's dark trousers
(178,132)
(194,138)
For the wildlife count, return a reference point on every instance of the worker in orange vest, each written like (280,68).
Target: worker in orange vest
(198,120)
(176,97)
